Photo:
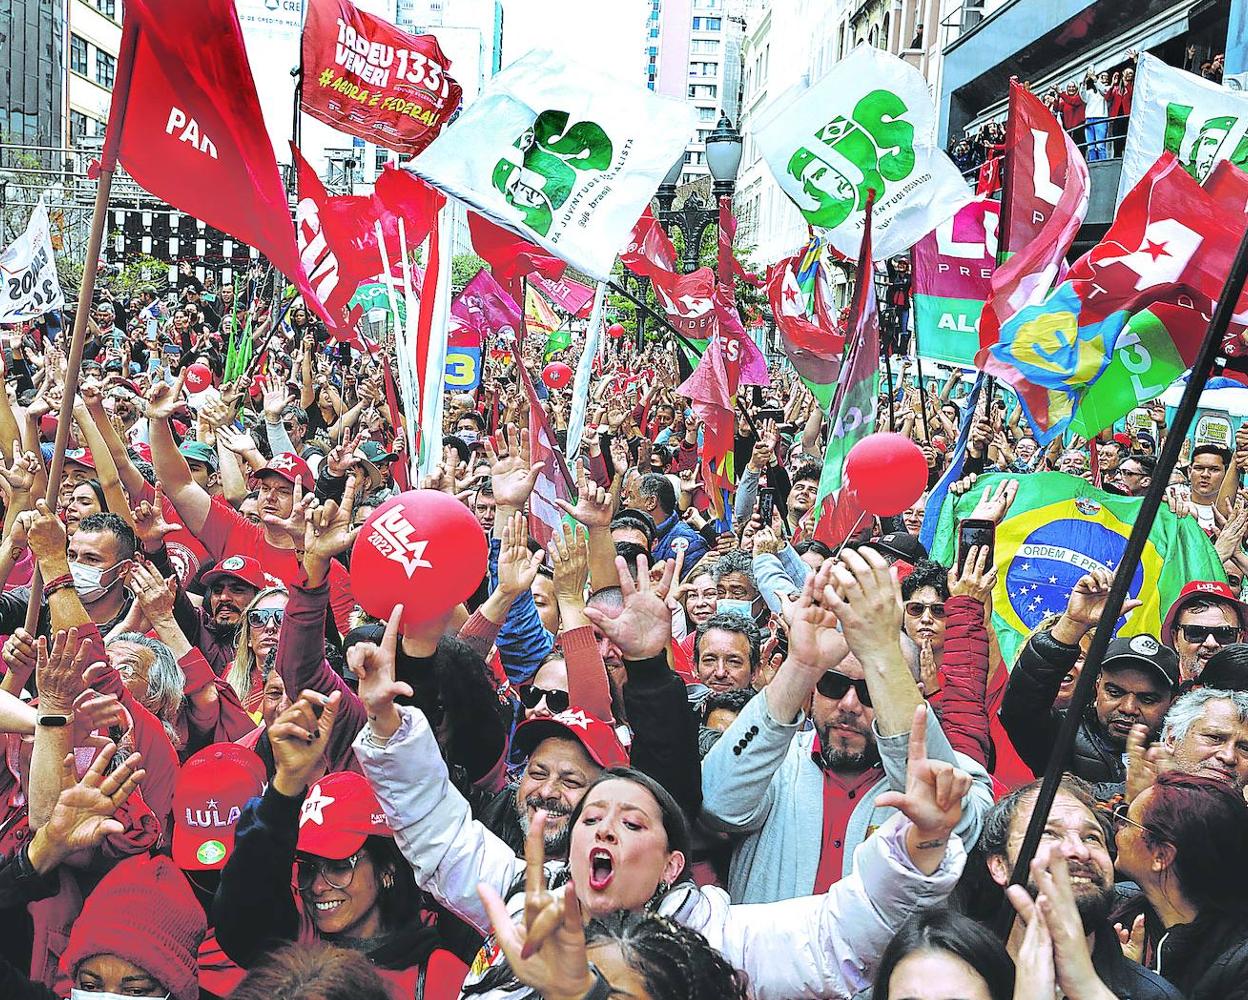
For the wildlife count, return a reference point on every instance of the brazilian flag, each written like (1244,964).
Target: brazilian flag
(1058,528)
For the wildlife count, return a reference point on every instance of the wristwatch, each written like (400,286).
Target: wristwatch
(54,721)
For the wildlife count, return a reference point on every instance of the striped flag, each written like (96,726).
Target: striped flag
(554,480)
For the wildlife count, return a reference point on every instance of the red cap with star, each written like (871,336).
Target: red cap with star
(339,814)
(597,737)
(290,467)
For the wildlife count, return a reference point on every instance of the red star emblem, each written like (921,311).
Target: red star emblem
(789,293)
(1154,250)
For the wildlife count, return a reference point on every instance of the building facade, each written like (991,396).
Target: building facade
(32,72)
(94,39)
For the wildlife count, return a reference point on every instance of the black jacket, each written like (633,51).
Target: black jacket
(1126,979)
(1031,721)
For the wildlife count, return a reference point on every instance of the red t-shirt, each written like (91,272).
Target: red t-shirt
(841,795)
(227,533)
(186,553)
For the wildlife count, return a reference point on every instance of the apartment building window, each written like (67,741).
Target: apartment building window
(704,69)
(77,126)
(706,114)
(707,90)
(704,46)
(107,8)
(78,54)
(654,32)
(706,23)
(105,68)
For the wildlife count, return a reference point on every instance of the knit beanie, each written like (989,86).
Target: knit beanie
(143,911)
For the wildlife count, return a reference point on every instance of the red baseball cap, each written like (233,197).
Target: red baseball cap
(144,451)
(212,788)
(290,467)
(339,814)
(1197,589)
(243,568)
(597,737)
(80,456)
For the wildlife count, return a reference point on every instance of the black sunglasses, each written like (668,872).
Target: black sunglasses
(556,701)
(834,686)
(261,617)
(1222,634)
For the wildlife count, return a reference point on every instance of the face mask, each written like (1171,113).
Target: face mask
(468,437)
(77,994)
(89,580)
(743,608)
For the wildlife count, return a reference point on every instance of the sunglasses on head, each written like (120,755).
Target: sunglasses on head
(915,609)
(556,701)
(1222,634)
(263,617)
(834,686)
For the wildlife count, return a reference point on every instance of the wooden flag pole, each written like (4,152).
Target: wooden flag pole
(1082,696)
(86,292)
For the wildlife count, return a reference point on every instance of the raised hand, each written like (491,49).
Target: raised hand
(932,800)
(154,594)
(1087,601)
(547,950)
(340,459)
(1144,762)
(300,736)
(977,578)
(327,532)
(150,526)
(512,472)
(294,524)
(45,533)
(517,566)
(994,504)
(866,598)
(593,503)
(374,667)
(19,475)
(58,671)
(644,625)
(273,398)
(815,643)
(569,555)
(164,399)
(85,811)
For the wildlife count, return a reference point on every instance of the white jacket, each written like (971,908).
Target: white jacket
(816,946)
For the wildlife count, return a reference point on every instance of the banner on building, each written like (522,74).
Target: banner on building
(953,268)
(562,154)
(1200,122)
(365,77)
(869,125)
(28,283)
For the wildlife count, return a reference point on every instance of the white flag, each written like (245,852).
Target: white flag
(869,124)
(28,283)
(1198,121)
(560,154)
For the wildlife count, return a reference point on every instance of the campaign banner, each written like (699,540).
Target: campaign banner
(365,77)
(28,283)
(1200,122)
(953,268)
(463,367)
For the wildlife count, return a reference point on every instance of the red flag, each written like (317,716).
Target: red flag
(688,301)
(338,233)
(570,296)
(365,77)
(728,263)
(649,248)
(553,481)
(815,352)
(511,257)
(185,122)
(1046,199)
(484,308)
(989,180)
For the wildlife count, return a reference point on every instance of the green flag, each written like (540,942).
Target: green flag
(559,340)
(1057,529)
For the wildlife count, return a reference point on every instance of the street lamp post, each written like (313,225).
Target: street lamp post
(694,217)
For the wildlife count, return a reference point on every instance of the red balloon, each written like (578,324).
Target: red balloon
(422,549)
(198,378)
(615,331)
(887,471)
(556,375)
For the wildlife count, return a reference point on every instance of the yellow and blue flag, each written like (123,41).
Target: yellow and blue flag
(1060,527)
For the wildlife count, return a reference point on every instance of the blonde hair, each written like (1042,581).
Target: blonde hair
(239,677)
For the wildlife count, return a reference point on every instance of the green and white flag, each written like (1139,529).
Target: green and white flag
(869,124)
(561,154)
(1199,121)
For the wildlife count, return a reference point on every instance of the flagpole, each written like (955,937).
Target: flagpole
(918,363)
(86,290)
(1127,566)
(653,315)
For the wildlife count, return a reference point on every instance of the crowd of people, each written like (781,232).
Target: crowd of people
(672,754)
(1094,110)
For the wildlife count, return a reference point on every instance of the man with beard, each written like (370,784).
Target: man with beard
(763,779)
(565,754)
(1204,617)
(230,587)
(1205,733)
(1076,831)
(1138,680)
